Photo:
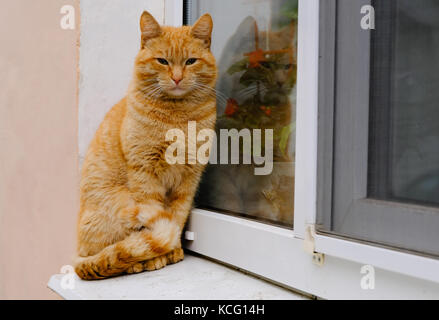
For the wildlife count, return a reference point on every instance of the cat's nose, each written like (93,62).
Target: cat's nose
(176,80)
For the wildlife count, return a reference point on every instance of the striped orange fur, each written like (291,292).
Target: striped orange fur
(133,203)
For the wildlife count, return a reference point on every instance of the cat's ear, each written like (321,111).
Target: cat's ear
(202,29)
(149,28)
(288,33)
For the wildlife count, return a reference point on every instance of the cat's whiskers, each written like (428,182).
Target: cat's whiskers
(211,92)
(247,92)
(151,91)
(156,89)
(149,88)
(156,92)
(252,90)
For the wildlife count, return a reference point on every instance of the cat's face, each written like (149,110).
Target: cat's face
(176,62)
(272,76)
(280,66)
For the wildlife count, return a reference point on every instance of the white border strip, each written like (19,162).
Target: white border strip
(307,116)
(387,259)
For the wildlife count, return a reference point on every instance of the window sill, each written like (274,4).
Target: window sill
(194,278)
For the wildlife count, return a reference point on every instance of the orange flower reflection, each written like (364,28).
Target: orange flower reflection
(266,110)
(255,58)
(232,107)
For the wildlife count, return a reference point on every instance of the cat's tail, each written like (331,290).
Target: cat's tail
(137,247)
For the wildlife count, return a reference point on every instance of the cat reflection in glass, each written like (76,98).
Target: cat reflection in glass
(257,79)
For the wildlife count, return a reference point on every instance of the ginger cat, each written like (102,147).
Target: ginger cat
(133,203)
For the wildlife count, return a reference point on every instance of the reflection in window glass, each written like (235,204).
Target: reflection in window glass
(255,43)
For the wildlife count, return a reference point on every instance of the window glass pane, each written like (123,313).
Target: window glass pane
(404,146)
(255,44)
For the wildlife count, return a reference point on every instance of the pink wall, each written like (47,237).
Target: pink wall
(38,145)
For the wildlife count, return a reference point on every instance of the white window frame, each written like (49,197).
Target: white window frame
(286,256)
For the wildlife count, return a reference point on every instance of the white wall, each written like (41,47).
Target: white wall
(110,40)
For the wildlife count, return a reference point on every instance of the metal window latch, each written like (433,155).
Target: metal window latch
(189,235)
(309,245)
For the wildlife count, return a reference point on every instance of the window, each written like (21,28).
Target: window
(361,195)
(385,134)
(256,49)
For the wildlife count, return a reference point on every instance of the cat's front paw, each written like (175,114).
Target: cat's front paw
(155,263)
(175,255)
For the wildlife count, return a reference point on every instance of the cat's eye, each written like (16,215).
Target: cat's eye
(190,61)
(163,61)
(288,66)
